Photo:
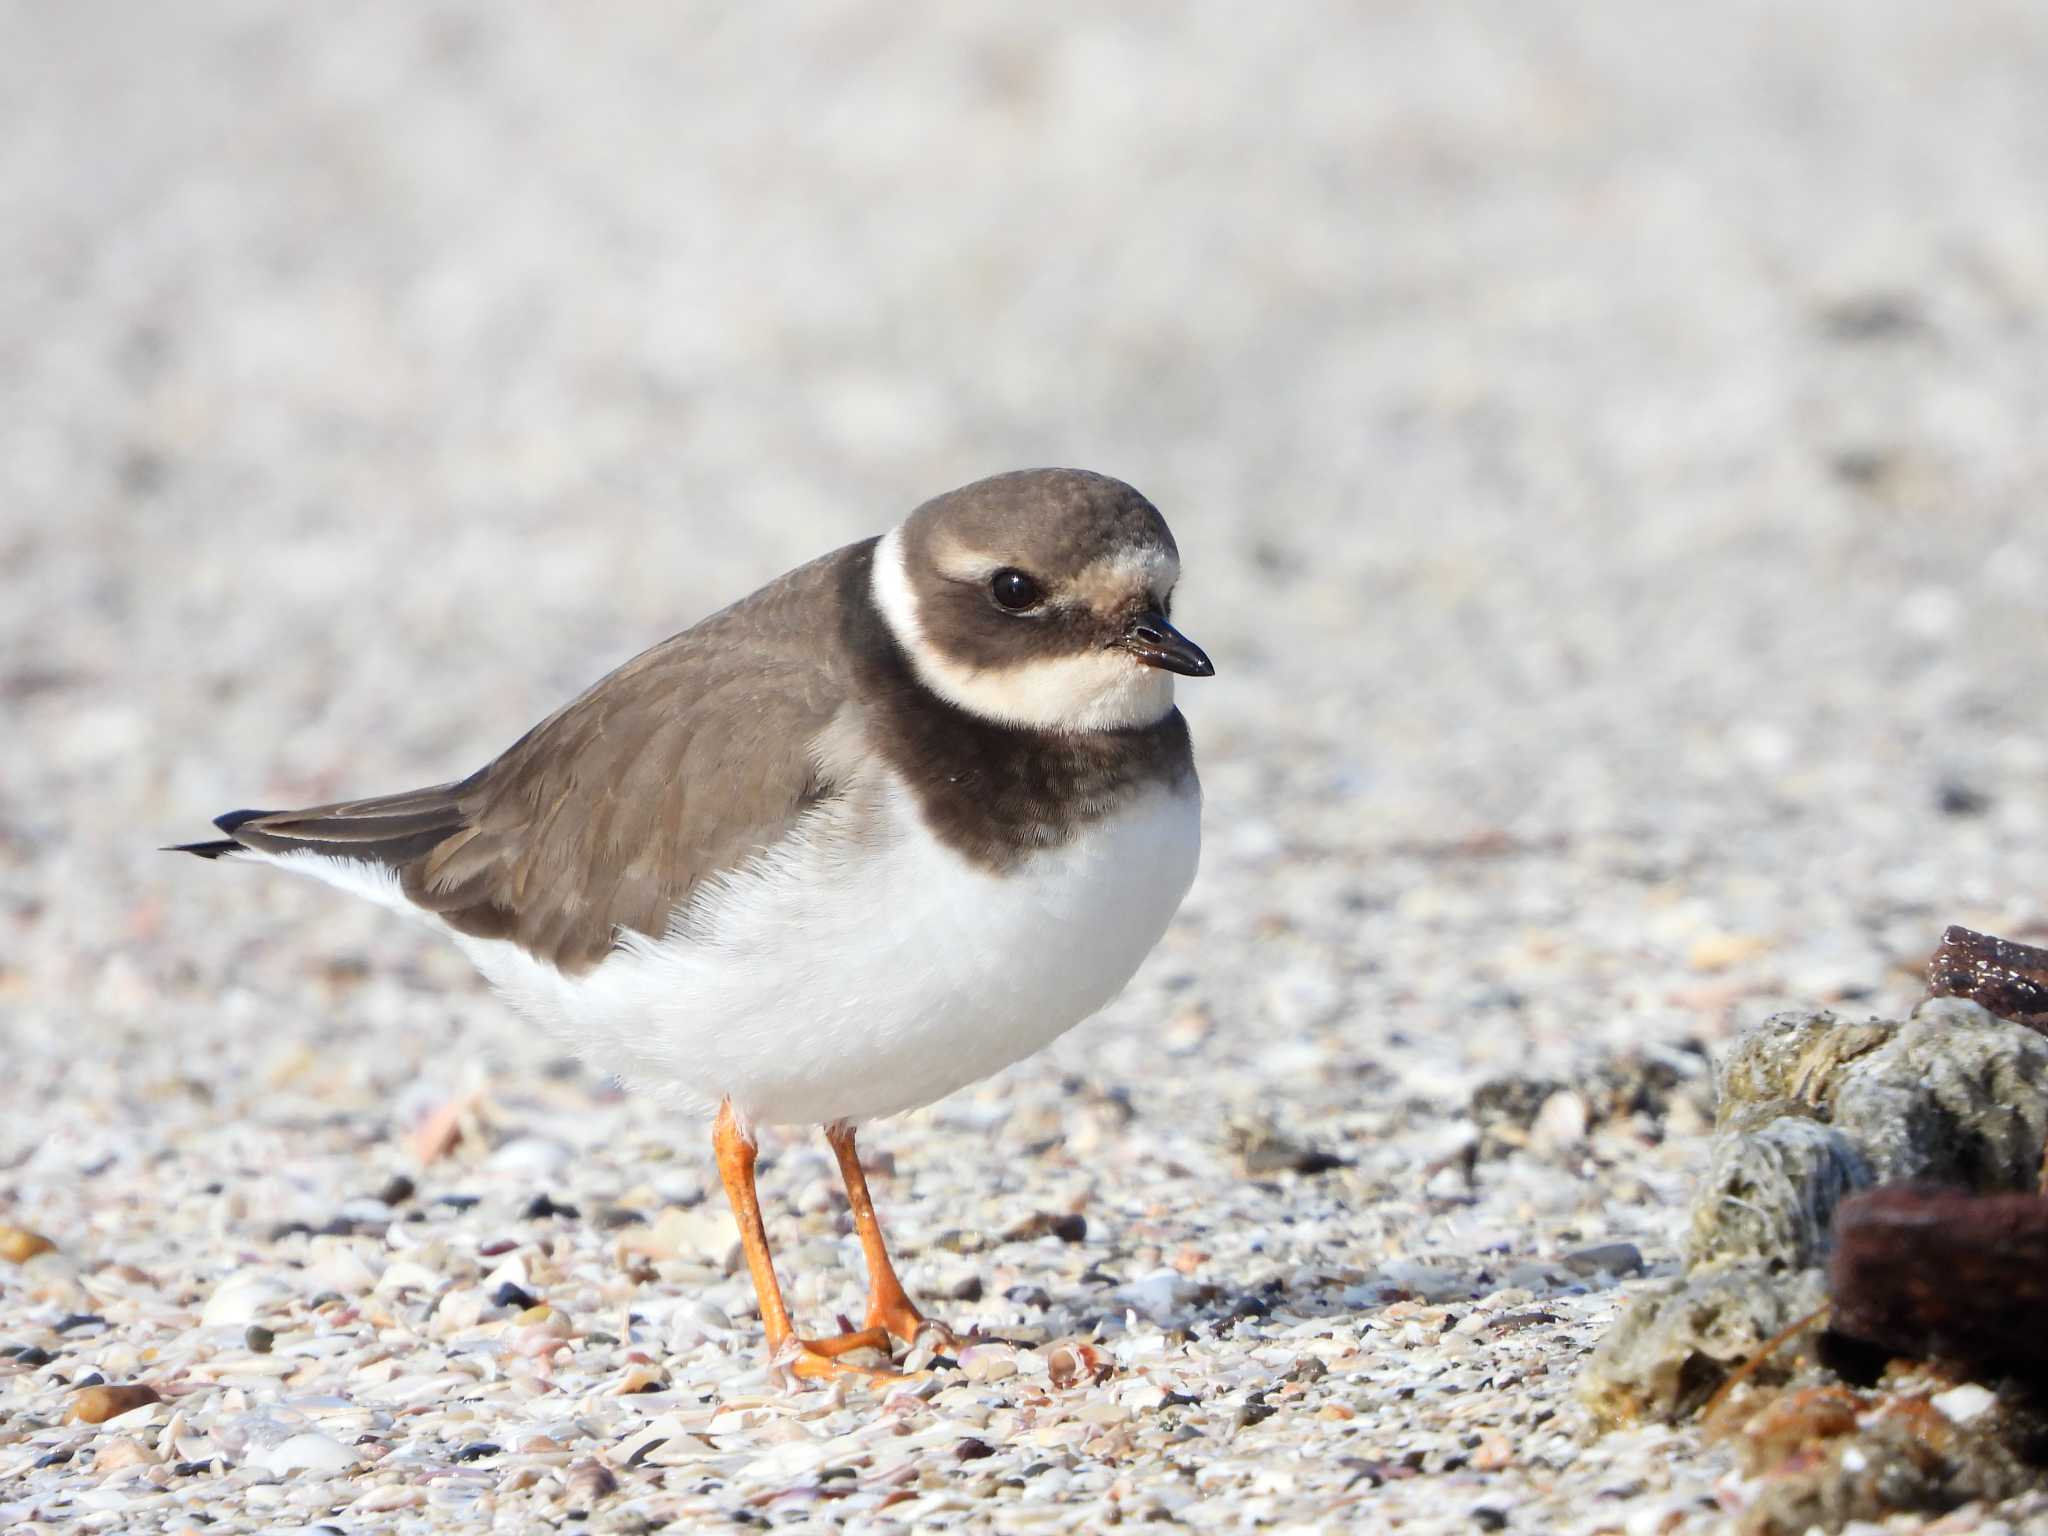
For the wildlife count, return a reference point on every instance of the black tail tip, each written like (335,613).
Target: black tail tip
(213,850)
(203,850)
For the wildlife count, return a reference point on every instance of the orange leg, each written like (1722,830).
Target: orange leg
(807,1359)
(888,1305)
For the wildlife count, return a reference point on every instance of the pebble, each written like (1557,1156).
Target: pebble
(18,1245)
(307,1452)
(97,1404)
(1604,1258)
(535,1157)
(242,1298)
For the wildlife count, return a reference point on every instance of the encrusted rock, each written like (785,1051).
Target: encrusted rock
(1813,1109)
(1770,1193)
(1680,1339)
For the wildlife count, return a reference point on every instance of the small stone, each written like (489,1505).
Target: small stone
(122,1452)
(540,1207)
(1033,1296)
(988,1362)
(590,1481)
(33,1356)
(397,1190)
(1561,1123)
(1262,1150)
(1605,1259)
(541,1157)
(258,1338)
(968,1289)
(971,1449)
(515,1296)
(1960,1405)
(18,1245)
(1068,1228)
(1075,1364)
(96,1405)
(478,1450)
(308,1452)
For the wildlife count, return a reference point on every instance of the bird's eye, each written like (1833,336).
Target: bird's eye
(1014,590)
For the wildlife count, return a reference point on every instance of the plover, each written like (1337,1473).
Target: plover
(896,821)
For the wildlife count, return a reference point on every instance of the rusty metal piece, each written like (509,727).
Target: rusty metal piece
(2003,977)
(1923,1270)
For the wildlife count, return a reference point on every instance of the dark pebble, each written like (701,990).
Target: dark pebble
(1490,1519)
(647,1448)
(944,1363)
(285,1229)
(1605,1258)
(80,1320)
(1958,799)
(1067,1228)
(540,1207)
(652,1386)
(33,1356)
(195,1468)
(53,1459)
(324,1299)
(457,1202)
(600,1337)
(1307,1368)
(1028,1296)
(967,1290)
(397,1190)
(346,1226)
(514,1296)
(1254,1413)
(612,1217)
(1179,1400)
(496,1246)
(90,1379)
(478,1451)
(259,1338)
(973,1450)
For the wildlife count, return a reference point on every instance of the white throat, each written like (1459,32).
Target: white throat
(1102,691)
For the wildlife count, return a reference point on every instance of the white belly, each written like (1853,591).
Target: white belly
(819,986)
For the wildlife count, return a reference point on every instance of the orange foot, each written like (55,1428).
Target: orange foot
(819,1359)
(898,1316)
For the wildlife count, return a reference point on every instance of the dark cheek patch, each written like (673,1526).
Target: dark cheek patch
(963,623)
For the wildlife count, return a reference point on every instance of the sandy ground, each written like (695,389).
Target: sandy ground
(1606,444)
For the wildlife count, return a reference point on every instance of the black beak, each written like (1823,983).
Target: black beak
(1158,644)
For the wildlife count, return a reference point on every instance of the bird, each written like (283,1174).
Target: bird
(890,824)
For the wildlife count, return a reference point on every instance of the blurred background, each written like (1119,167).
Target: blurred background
(1606,441)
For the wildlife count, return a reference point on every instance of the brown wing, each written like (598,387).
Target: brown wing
(606,815)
